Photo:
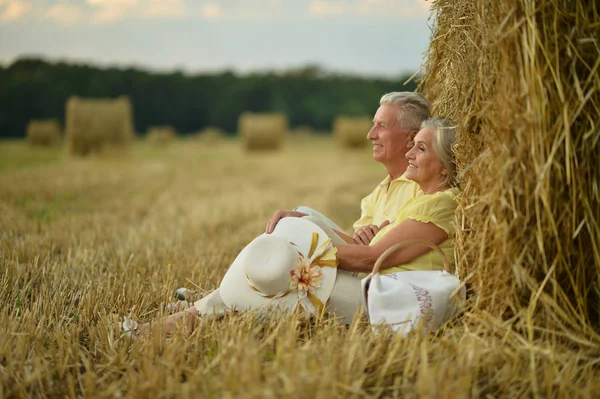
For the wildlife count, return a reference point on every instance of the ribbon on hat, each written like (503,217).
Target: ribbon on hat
(259,292)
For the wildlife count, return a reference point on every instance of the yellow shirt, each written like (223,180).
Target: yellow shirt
(437,208)
(386,200)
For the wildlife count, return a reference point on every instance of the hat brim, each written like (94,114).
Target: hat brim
(234,288)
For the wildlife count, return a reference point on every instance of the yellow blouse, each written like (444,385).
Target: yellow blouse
(437,208)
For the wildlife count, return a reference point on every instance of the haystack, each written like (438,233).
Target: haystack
(161,135)
(95,124)
(210,135)
(351,132)
(262,131)
(44,132)
(522,79)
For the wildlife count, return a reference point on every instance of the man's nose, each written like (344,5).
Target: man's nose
(372,134)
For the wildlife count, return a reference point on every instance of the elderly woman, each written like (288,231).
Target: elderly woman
(295,266)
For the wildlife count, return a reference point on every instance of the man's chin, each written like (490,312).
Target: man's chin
(377,157)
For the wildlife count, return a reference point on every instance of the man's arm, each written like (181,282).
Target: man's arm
(362,258)
(280,215)
(366,212)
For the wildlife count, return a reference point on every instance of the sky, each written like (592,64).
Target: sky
(365,37)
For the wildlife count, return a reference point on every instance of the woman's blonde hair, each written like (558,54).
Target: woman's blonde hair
(444,139)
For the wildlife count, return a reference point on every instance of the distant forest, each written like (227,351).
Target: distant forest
(36,89)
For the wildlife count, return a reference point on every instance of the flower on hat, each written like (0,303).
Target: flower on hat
(305,277)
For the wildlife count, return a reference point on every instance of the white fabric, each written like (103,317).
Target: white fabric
(412,300)
(266,255)
(344,302)
(313,212)
(335,237)
(211,305)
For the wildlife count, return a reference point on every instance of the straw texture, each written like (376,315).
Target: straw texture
(44,132)
(522,80)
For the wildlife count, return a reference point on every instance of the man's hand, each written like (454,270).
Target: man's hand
(280,214)
(365,234)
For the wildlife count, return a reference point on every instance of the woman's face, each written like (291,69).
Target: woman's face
(424,164)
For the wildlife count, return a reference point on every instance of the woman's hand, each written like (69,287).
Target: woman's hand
(280,214)
(365,234)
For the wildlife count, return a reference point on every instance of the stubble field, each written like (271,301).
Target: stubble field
(84,241)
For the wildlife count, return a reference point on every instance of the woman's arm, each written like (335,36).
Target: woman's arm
(362,258)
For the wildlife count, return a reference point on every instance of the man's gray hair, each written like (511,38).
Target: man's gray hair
(444,133)
(414,108)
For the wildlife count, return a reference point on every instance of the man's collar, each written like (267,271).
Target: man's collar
(388,179)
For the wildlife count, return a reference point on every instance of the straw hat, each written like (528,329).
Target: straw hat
(294,266)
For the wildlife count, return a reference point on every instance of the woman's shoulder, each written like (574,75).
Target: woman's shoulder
(448,197)
(437,208)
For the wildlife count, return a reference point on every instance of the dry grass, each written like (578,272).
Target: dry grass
(44,132)
(262,131)
(522,79)
(351,132)
(94,125)
(302,132)
(83,239)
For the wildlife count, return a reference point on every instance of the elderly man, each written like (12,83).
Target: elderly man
(395,123)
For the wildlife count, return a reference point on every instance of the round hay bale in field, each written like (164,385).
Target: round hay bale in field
(95,124)
(161,135)
(522,80)
(211,135)
(44,132)
(351,132)
(262,131)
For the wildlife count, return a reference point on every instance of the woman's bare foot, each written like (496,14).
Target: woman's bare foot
(169,323)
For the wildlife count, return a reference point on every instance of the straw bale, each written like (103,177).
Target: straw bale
(522,80)
(161,135)
(211,135)
(95,124)
(351,132)
(44,132)
(262,131)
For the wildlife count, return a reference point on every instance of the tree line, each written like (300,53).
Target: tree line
(32,88)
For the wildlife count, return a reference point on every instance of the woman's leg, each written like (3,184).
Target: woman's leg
(336,239)
(346,297)
(170,323)
(210,306)
(313,212)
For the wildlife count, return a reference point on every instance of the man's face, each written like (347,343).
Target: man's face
(390,140)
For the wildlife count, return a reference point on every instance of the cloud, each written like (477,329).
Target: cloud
(211,10)
(323,8)
(70,12)
(371,8)
(108,11)
(165,9)
(113,3)
(65,13)
(12,10)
